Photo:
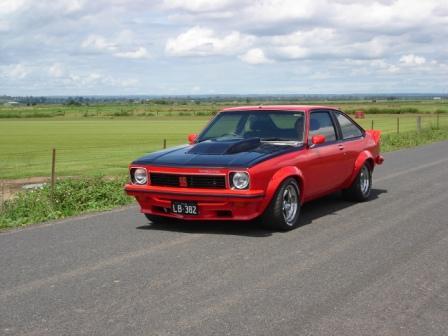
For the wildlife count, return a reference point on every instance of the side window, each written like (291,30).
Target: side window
(322,124)
(348,128)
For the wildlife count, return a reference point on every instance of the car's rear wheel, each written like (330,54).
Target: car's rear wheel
(284,210)
(361,187)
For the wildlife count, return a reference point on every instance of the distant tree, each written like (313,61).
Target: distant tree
(73,102)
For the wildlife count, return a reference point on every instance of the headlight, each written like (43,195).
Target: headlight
(240,180)
(139,176)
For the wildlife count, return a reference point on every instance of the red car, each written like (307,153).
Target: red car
(258,162)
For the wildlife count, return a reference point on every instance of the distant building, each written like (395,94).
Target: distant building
(12,103)
(437,98)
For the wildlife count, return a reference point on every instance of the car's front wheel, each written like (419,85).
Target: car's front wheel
(361,187)
(284,210)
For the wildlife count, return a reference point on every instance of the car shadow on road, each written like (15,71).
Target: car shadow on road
(331,204)
(310,211)
(237,228)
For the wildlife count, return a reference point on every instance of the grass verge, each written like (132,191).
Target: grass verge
(71,197)
(391,142)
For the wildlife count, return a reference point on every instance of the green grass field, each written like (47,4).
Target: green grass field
(202,108)
(98,144)
(85,147)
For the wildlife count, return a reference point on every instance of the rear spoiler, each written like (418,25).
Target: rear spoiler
(376,135)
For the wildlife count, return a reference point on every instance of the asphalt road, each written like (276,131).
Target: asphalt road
(376,268)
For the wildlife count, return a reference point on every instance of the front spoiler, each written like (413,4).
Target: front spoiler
(132,189)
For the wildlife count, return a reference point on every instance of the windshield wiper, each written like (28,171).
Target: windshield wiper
(203,139)
(280,140)
(224,136)
(276,139)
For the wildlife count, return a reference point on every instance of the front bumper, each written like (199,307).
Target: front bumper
(221,204)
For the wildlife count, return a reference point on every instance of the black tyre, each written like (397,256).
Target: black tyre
(157,219)
(284,210)
(361,187)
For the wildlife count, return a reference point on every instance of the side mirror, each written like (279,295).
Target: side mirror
(192,138)
(318,139)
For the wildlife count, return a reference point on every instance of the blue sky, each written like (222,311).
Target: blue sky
(80,47)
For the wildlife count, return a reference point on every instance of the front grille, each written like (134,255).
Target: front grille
(192,181)
(168,180)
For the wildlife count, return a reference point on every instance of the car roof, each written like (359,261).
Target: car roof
(304,108)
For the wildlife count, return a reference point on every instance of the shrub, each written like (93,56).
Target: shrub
(6,115)
(71,197)
(121,114)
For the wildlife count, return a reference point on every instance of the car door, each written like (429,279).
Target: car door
(325,169)
(351,138)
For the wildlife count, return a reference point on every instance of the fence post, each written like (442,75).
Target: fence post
(164,143)
(419,123)
(438,115)
(398,125)
(3,197)
(53,171)
(372,125)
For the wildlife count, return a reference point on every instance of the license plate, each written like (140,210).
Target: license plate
(185,208)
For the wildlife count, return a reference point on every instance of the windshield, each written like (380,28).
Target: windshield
(267,125)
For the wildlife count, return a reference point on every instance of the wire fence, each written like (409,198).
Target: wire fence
(403,123)
(113,159)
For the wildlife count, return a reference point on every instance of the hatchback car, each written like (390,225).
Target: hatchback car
(258,162)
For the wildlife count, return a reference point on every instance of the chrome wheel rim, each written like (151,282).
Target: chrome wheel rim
(364,180)
(290,204)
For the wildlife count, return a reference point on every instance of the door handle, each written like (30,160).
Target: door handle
(341,147)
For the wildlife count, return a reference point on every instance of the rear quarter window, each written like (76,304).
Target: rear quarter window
(348,128)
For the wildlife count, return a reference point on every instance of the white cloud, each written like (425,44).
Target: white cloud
(381,64)
(278,11)
(199,41)
(412,60)
(324,43)
(200,5)
(73,5)
(139,53)
(16,71)
(120,46)
(386,16)
(97,42)
(272,15)
(255,56)
(95,79)
(8,7)
(56,70)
